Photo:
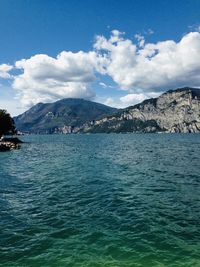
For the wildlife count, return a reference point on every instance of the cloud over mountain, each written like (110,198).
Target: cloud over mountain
(139,68)
(142,67)
(45,78)
(129,99)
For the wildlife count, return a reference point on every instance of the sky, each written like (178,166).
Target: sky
(114,52)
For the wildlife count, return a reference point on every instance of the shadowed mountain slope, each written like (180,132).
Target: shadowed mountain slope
(63,116)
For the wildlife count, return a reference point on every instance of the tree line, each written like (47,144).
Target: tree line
(7,125)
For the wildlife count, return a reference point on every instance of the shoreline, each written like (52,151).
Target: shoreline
(7,144)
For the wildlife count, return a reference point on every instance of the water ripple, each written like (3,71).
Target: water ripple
(101,200)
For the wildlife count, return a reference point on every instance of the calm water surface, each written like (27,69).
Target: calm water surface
(120,200)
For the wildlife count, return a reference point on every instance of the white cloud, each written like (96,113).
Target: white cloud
(146,67)
(149,31)
(12,106)
(4,71)
(140,39)
(140,68)
(112,102)
(46,79)
(130,99)
(103,85)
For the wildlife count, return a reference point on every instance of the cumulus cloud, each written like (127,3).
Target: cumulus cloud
(130,99)
(143,67)
(4,71)
(45,78)
(138,67)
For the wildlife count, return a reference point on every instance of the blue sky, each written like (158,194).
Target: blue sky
(29,28)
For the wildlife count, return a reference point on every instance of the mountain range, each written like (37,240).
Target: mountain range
(174,111)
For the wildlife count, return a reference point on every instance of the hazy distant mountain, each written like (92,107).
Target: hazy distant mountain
(174,111)
(64,116)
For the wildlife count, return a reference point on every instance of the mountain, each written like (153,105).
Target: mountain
(174,111)
(64,116)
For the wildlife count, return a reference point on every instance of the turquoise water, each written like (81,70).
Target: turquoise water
(115,200)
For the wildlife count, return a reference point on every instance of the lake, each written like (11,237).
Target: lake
(102,200)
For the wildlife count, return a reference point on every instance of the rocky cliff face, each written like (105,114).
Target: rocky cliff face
(174,111)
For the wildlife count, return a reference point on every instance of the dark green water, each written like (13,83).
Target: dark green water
(101,201)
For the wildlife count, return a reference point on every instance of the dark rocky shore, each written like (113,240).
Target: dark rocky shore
(7,144)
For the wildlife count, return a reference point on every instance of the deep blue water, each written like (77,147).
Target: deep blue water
(102,200)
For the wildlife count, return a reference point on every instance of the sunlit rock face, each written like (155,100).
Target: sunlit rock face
(174,111)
